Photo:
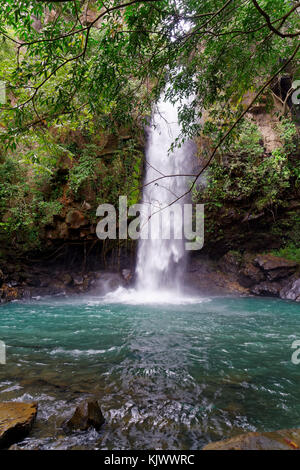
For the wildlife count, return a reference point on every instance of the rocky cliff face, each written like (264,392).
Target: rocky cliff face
(49,219)
(245,274)
(252,206)
(232,274)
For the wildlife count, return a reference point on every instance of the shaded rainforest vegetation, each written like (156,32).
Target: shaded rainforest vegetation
(81,78)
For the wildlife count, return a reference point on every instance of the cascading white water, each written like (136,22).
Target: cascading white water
(160,262)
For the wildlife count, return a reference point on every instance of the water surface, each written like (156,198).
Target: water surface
(167,376)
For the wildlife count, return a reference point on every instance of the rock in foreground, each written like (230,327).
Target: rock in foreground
(16,420)
(88,414)
(286,439)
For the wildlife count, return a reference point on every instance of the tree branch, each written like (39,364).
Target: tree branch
(222,140)
(269,22)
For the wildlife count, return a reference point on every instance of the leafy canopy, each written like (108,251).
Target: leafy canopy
(108,60)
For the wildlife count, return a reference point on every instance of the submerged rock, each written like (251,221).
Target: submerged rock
(88,414)
(286,439)
(16,420)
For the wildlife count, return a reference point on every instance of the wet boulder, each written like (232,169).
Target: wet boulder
(16,421)
(276,267)
(87,415)
(250,275)
(269,289)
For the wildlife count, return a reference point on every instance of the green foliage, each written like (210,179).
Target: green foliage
(40,151)
(133,162)
(273,176)
(245,185)
(122,176)
(289,136)
(32,185)
(83,171)
(247,174)
(107,178)
(24,209)
(291,147)
(287,229)
(67,77)
(249,141)
(291,252)
(110,69)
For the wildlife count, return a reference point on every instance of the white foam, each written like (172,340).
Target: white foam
(78,352)
(141,297)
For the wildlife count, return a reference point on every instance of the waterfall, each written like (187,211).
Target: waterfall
(160,262)
(161,259)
